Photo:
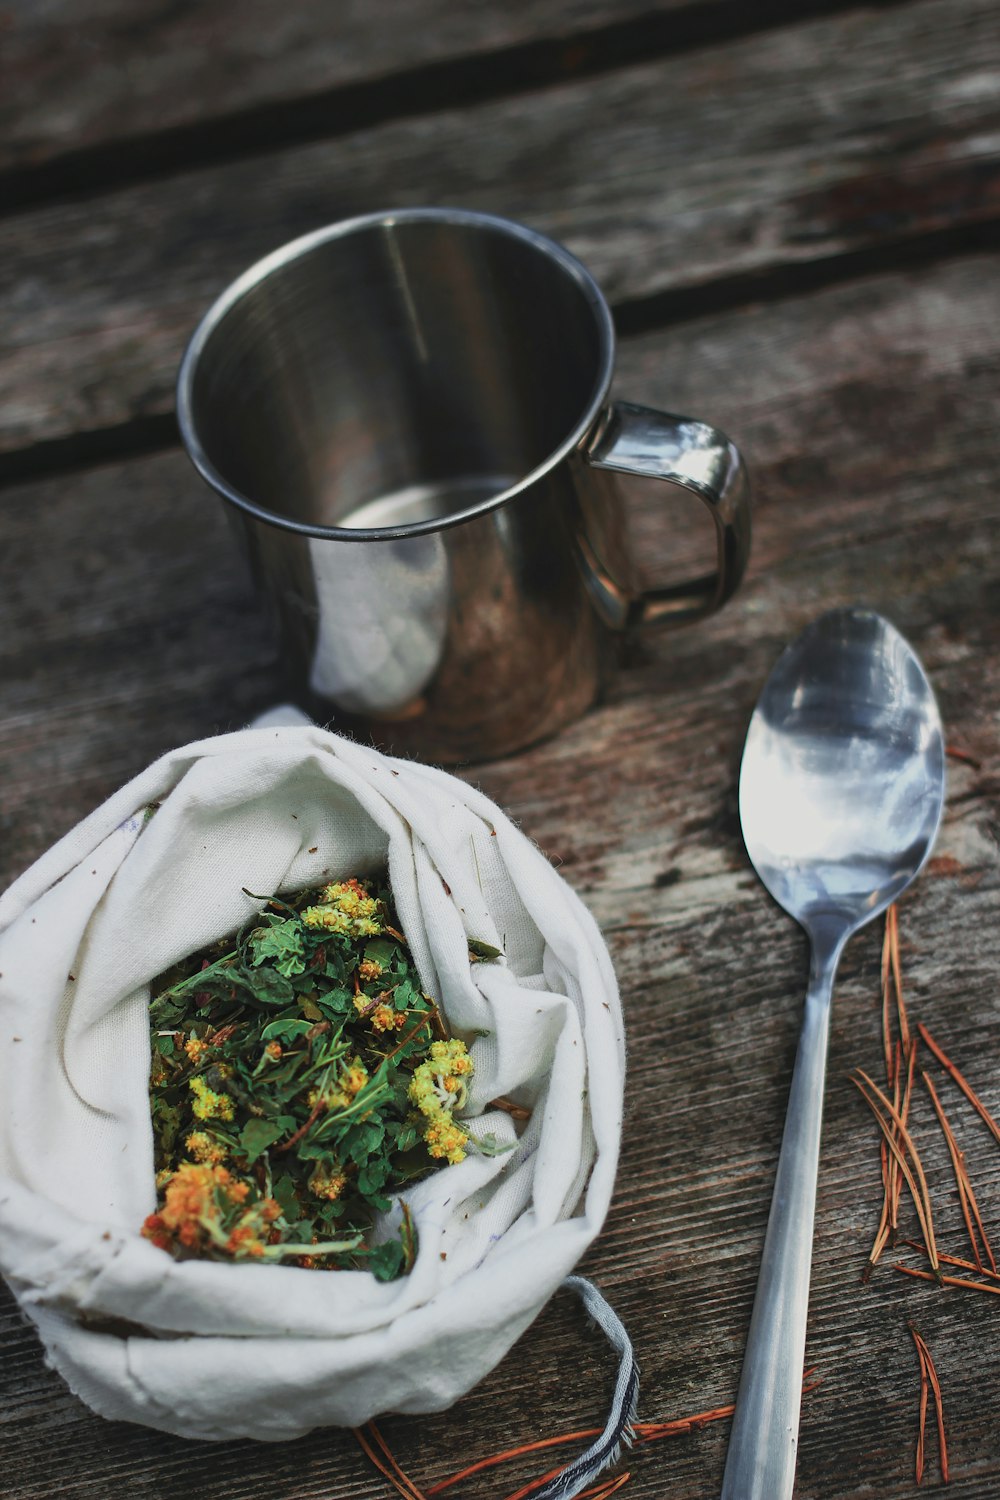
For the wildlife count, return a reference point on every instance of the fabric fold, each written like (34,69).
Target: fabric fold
(211,1350)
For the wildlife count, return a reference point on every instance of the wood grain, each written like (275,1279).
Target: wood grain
(80,74)
(868,412)
(760,158)
(791,213)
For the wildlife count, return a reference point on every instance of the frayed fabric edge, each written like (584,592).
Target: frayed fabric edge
(618,1431)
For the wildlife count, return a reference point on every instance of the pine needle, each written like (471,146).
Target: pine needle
(957,1077)
(974,1286)
(928,1374)
(922,1417)
(899,1142)
(606,1490)
(892,990)
(966,1196)
(892,926)
(954,1260)
(379,1453)
(511,1453)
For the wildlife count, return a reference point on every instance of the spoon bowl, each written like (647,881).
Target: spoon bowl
(841,791)
(843,771)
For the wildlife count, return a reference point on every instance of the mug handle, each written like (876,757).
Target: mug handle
(694,457)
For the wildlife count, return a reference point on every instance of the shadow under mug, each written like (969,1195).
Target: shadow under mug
(408,417)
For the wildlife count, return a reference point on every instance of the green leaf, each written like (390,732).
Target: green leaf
(268,987)
(167,1122)
(283,1190)
(489,1145)
(480,952)
(335,966)
(280,945)
(373,1176)
(257,1135)
(307,1150)
(380,951)
(386,1261)
(284,1030)
(369,1135)
(165,1013)
(337,1002)
(406,996)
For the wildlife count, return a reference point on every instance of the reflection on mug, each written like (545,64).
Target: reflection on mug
(382,614)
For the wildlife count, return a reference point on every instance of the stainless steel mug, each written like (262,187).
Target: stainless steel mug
(408,415)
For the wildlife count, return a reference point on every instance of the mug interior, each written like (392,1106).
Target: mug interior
(395,371)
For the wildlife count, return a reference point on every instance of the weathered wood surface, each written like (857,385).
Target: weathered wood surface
(866,411)
(684,182)
(868,414)
(823,151)
(123,70)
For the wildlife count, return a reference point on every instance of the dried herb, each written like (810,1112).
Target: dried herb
(300,1079)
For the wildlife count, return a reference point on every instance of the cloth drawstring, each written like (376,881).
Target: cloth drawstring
(606,1449)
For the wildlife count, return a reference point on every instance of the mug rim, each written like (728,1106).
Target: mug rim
(293,250)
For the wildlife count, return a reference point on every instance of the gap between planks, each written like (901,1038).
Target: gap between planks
(430,87)
(141,437)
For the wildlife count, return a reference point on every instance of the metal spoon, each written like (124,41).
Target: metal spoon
(841,790)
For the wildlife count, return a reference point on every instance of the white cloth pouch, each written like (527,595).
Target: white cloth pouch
(213,1350)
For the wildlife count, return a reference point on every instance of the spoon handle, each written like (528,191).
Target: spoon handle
(760,1464)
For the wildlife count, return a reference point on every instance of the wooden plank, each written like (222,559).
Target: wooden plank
(755,159)
(868,413)
(840,401)
(82,74)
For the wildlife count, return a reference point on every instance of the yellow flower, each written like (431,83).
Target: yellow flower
(438,1084)
(327,1184)
(351,897)
(326,918)
(206,1207)
(205,1149)
(195,1048)
(446,1140)
(352,1080)
(244,1241)
(354,1077)
(369,969)
(437,1088)
(190,1199)
(345,908)
(208,1105)
(383,1018)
